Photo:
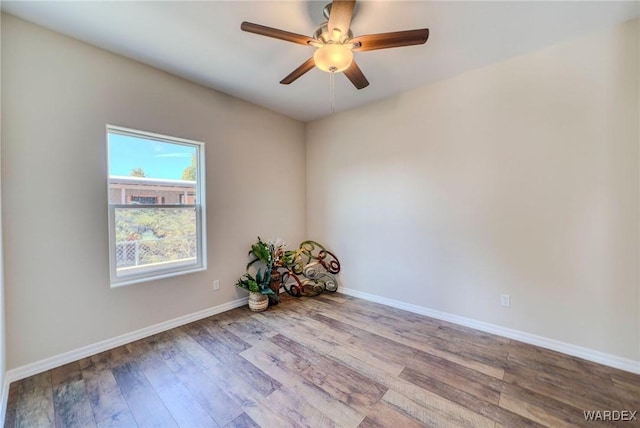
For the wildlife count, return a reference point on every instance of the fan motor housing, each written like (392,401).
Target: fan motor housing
(322,34)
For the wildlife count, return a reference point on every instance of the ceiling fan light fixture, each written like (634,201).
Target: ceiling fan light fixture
(333,57)
(335,44)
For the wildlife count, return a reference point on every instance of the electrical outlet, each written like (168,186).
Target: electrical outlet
(216,285)
(505,300)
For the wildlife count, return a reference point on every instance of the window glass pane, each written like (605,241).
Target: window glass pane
(149,239)
(156,211)
(151,172)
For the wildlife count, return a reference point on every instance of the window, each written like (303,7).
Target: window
(145,200)
(156,206)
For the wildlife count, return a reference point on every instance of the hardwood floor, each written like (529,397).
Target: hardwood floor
(327,361)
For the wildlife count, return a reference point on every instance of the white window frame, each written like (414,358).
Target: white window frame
(199,206)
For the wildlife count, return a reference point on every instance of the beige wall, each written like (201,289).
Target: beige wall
(519,178)
(58,94)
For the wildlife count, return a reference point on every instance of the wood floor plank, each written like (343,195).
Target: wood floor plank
(428,404)
(571,370)
(118,356)
(142,399)
(396,327)
(286,368)
(352,355)
(627,389)
(67,373)
(122,419)
(98,361)
(473,382)
(191,373)
(224,318)
(262,382)
(298,410)
(408,389)
(186,411)
(242,421)
(302,325)
(471,402)
(424,345)
(476,337)
(470,352)
(151,365)
(183,407)
(192,348)
(465,361)
(555,385)
(531,355)
(167,349)
(540,408)
(246,391)
(397,319)
(332,360)
(225,340)
(332,297)
(385,415)
(400,314)
(250,330)
(15,392)
(388,316)
(388,332)
(210,397)
(620,377)
(380,346)
(399,323)
(71,404)
(252,402)
(35,405)
(557,374)
(104,394)
(340,381)
(432,410)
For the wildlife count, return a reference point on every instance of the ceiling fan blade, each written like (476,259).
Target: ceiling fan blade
(355,75)
(340,17)
(390,40)
(293,76)
(276,33)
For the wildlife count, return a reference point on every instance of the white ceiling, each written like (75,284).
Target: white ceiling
(202,41)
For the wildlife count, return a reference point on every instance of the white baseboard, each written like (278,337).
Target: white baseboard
(86,351)
(4,399)
(544,342)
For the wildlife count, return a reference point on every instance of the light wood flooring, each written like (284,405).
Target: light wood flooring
(327,361)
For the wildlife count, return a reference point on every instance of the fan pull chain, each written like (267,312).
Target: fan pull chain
(332,91)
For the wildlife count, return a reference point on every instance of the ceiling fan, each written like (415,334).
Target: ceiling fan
(335,43)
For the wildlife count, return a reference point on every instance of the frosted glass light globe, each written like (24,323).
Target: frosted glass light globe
(333,57)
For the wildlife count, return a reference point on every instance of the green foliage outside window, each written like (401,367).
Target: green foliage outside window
(159,235)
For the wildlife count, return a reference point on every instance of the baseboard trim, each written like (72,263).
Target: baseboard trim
(532,339)
(5,399)
(86,351)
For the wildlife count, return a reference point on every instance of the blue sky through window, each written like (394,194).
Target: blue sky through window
(157,159)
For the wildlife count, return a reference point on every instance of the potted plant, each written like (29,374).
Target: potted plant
(267,282)
(259,289)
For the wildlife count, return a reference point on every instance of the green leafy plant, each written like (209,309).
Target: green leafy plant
(269,255)
(258,284)
(263,252)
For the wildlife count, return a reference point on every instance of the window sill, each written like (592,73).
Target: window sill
(121,282)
